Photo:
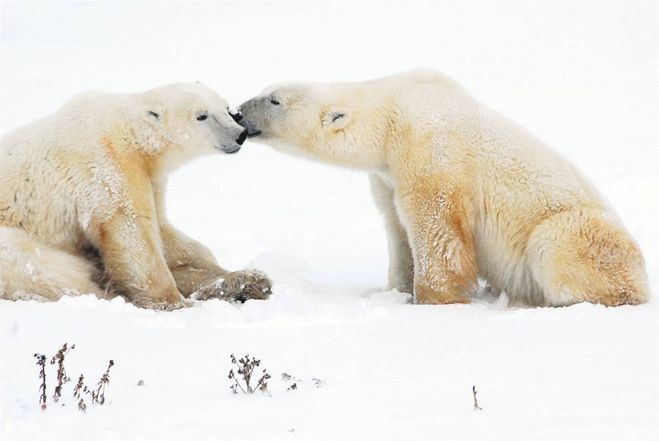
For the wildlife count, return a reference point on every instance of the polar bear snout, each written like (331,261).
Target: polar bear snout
(240,140)
(236,116)
(249,117)
(229,137)
(243,136)
(251,129)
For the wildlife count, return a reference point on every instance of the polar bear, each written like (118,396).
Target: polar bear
(82,200)
(465,192)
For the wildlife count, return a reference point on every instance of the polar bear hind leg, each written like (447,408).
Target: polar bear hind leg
(580,255)
(32,270)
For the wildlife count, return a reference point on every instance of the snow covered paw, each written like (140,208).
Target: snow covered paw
(161,304)
(247,284)
(239,286)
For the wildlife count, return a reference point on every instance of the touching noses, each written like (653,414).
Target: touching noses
(243,135)
(236,116)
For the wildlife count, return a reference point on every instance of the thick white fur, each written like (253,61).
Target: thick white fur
(33,270)
(92,176)
(465,192)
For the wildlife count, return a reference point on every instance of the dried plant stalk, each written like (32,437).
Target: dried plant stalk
(98,395)
(476,406)
(41,362)
(61,372)
(245,369)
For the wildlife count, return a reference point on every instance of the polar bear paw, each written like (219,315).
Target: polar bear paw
(237,286)
(161,304)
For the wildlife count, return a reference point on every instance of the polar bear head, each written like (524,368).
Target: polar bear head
(189,117)
(338,123)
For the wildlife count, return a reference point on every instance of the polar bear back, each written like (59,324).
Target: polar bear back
(47,167)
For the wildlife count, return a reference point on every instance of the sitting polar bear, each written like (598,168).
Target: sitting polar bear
(464,191)
(82,195)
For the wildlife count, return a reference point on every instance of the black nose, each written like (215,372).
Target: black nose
(236,116)
(243,136)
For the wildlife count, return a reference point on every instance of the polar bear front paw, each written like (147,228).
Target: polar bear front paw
(238,286)
(161,304)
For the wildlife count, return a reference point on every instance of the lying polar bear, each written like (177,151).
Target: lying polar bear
(464,191)
(82,196)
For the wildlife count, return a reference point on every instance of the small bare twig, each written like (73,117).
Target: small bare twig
(289,377)
(61,372)
(79,387)
(78,390)
(98,395)
(245,369)
(41,362)
(234,387)
(476,406)
(262,385)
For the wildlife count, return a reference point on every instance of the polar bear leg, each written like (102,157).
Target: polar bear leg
(197,273)
(401,262)
(32,270)
(584,257)
(445,269)
(191,263)
(135,263)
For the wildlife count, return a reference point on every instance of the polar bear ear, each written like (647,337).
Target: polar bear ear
(336,118)
(152,114)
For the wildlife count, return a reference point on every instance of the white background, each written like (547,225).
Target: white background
(582,76)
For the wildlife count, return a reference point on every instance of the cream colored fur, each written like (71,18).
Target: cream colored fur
(465,192)
(92,176)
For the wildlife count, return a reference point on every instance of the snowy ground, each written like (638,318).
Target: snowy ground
(583,76)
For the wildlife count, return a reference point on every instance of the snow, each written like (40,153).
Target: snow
(582,76)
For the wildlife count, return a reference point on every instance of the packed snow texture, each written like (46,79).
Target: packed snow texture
(582,76)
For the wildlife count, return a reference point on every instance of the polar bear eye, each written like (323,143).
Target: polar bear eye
(337,116)
(202,117)
(274,102)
